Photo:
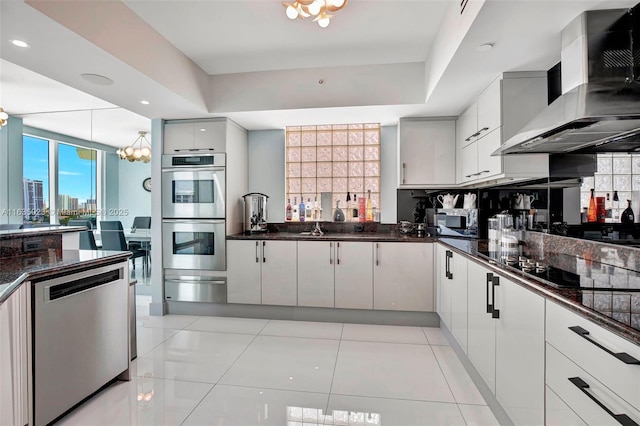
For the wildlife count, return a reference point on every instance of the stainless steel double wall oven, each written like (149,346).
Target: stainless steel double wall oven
(193,224)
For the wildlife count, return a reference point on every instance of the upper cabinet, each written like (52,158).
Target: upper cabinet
(498,113)
(185,137)
(427,152)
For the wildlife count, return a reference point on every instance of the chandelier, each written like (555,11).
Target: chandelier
(321,9)
(137,151)
(3,117)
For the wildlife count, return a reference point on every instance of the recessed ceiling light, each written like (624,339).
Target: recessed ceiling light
(20,43)
(145,102)
(98,79)
(203,129)
(484,47)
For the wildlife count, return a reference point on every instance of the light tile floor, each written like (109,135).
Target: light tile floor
(238,372)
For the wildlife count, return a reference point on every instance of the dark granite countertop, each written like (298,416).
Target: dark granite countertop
(579,301)
(333,236)
(31,232)
(16,270)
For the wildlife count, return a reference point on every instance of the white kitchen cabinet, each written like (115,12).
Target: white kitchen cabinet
(451,281)
(558,413)
(499,112)
(262,272)
(610,359)
(184,137)
(403,276)
(427,152)
(520,352)
(316,280)
(279,276)
(576,387)
(354,275)
(244,272)
(13,359)
(481,326)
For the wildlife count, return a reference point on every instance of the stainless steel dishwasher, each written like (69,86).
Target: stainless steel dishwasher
(80,337)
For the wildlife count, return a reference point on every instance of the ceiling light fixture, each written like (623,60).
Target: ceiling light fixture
(140,153)
(98,79)
(145,102)
(3,118)
(20,43)
(321,9)
(484,47)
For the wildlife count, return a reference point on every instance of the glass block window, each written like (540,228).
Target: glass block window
(336,158)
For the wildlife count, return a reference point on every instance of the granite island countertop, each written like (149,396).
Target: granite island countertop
(41,231)
(14,271)
(581,301)
(335,236)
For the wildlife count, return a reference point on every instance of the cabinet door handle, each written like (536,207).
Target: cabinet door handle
(377,251)
(330,253)
(264,259)
(622,356)
(484,129)
(337,253)
(623,419)
(469,138)
(404,172)
(484,171)
(448,264)
(489,283)
(257,256)
(495,313)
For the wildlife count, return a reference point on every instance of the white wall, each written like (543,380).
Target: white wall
(131,196)
(266,171)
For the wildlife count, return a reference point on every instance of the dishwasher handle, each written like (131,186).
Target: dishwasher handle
(82,284)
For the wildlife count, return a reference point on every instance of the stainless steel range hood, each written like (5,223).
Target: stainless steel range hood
(599,112)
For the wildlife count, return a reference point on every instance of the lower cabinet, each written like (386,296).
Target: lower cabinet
(451,282)
(403,276)
(506,342)
(262,272)
(316,273)
(13,359)
(354,275)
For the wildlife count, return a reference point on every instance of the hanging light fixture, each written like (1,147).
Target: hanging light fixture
(139,150)
(3,117)
(321,9)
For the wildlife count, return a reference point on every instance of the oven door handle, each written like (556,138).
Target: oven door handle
(196,221)
(193,169)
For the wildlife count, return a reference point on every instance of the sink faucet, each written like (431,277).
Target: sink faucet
(317,231)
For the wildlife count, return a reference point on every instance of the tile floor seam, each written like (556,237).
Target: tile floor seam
(240,354)
(222,332)
(398,399)
(443,375)
(462,415)
(273,389)
(425,336)
(198,404)
(335,365)
(154,347)
(379,341)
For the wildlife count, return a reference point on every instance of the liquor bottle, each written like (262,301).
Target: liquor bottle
(349,207)
(627,215)
(362,209)
(301,210)
(607,206)
(591,213)
(289,212)
(308,210)
(354,209)
(616,200)
(316,209)
(295,214)
(369,212)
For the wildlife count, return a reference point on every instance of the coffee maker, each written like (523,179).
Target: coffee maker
(255,212)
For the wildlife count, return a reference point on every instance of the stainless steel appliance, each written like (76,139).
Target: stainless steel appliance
(195,286)
(193,186)
(80,337)
(457,222)
(194,244)
(255,212)
(599,113)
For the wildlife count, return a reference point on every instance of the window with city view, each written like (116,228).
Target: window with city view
(35,180)
(76,181)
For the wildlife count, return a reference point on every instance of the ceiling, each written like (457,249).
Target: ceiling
(177,53)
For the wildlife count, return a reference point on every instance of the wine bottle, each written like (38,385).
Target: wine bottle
(592,216)
(627,215)
(288,211)
(607,207)
(295,214)
(354,210)
(362,210)
(369,212)
(308,210)
(349,208)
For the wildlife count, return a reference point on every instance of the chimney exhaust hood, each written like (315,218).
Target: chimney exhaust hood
(600,108)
